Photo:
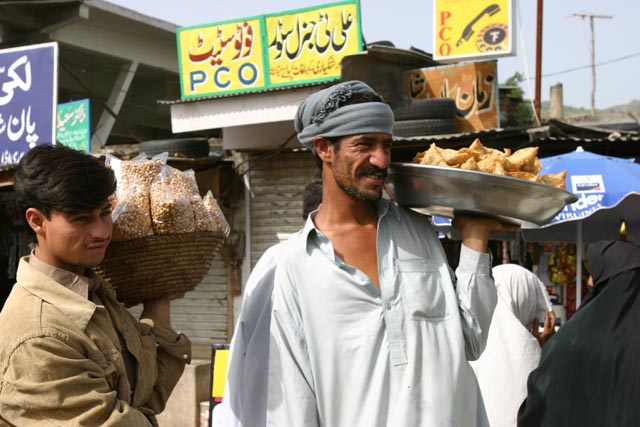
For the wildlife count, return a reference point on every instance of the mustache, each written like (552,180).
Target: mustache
(372,170)
(99,241)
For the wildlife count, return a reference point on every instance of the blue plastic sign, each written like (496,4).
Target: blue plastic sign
(28,98)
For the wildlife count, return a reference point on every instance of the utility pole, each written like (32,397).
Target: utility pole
(538,60)
(591,17)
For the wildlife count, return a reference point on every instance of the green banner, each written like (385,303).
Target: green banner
(73,125)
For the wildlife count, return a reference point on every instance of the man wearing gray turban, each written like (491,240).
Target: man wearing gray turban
(370,326)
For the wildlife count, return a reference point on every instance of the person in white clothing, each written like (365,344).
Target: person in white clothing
(244,402)
(370,326)
(514,343)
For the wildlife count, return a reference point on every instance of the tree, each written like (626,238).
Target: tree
(518,112)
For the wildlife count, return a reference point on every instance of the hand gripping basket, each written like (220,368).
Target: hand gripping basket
(158,265)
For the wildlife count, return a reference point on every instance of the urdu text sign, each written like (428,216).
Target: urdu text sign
(307,46)
(221,58)
(73,125)
(294,47)
(472,85)
(28,77)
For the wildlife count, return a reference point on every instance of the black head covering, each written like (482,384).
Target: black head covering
(607,258)
(588,374)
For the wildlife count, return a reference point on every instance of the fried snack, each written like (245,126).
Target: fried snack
(522,164)
(432,156)
(470,164)
(494,163)
(527,176)
(454,157)
(526,160)
(555,179)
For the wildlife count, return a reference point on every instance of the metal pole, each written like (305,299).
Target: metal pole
(593,68)
(538,58)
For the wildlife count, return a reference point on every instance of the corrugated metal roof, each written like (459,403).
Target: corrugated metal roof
(516,138)
(488,133)
(509,133)
(251,92)
(623,138)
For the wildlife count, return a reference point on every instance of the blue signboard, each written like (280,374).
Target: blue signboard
(28,98)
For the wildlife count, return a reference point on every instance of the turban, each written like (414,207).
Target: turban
(325,114)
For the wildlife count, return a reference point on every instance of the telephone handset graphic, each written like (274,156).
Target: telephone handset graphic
(468,30)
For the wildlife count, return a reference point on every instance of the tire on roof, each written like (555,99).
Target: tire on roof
(180,147)
(424,127)
(431,108)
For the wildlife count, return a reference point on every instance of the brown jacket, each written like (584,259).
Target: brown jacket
(64,360)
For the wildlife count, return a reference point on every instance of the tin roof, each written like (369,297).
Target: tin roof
(249,92)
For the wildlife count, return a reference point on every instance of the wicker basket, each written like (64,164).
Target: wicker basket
(158,265)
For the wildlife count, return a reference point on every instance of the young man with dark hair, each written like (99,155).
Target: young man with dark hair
(70,353)
(370,326)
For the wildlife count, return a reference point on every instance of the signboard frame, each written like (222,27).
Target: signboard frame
(473,86)
(255,73)
(29,86)
(488,25)
(82,131)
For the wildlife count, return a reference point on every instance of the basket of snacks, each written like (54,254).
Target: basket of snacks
(165,235)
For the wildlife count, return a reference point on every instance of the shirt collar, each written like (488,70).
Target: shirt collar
(81,285)
(77,308)
(310,231)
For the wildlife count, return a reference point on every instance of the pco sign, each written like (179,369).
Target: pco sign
(247,74)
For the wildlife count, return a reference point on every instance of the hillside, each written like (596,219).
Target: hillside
(627,112)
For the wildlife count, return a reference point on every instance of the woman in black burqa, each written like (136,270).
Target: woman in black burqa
(589,372)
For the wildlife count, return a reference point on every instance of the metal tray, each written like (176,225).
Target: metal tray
(444,191)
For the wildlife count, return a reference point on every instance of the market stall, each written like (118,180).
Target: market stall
(608,191)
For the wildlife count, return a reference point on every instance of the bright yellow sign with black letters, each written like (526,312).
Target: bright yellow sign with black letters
(469,29)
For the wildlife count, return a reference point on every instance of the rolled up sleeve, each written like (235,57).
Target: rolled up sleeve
(170,352)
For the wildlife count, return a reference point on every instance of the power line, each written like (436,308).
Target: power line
(568,70)
(611,61)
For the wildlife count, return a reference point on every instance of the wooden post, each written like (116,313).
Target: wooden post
(591,16)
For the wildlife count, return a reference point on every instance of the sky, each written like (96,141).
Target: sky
(566,39)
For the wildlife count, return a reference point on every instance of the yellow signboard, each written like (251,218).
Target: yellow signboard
(473,85)
(224,57)
(293,47)
(219,374)
(310,45)
(467,29)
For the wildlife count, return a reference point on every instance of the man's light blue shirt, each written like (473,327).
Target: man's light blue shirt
(345,353)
